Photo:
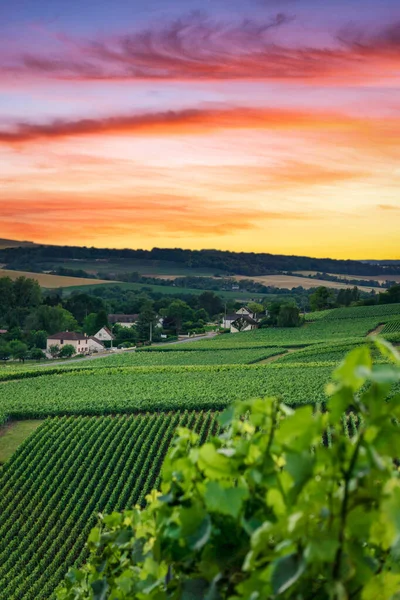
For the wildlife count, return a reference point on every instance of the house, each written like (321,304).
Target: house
(123,320)
(104,335)
(243,323)
(3,331)
(82,343)
(243,319)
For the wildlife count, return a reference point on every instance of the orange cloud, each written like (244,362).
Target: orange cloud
(202,121)
(114,216)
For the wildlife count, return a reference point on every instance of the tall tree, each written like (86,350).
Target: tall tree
(147,318)
(322,298)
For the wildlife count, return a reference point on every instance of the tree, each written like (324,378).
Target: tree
(201,315)
(94,322)
(5,351)
(266,510)
(178,311)
(289,316)
(27,292)
(322,298)
(19,350)
(392,295)
(54,350)
(147,317)
(38,339)
(52,319)
(211,303)
(37,354)
(81,305)
(256,307)
(67,351)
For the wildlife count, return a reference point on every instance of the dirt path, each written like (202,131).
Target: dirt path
(377,329)
(276,356)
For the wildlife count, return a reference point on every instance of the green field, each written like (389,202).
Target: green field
(108,424)
(70,470)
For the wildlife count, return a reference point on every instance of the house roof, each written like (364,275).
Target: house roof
(106,329)
(121,318)
(247,319)
(95,339)
(67,335)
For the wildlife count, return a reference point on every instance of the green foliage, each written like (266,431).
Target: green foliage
(289,316)
(19,350)
(266,510)
(56,483)
(322,298)
(94,322)
(51,319)
(5,351)
(256,307)
(37,354)
(67,351)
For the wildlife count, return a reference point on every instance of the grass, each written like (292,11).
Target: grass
(52,281)
(13,434)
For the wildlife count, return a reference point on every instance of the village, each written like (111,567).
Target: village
(68,344)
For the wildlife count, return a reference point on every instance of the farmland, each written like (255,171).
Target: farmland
(291,281)
(71,469)
(108,423)
(52,281)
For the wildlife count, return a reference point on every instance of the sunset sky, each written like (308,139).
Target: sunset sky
(265,125)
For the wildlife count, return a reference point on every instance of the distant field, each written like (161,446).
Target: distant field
(148,268)
(364,277)
(167,289)
(290,281)
(52,281)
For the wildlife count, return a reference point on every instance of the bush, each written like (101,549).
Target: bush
(267,510)
(67,351)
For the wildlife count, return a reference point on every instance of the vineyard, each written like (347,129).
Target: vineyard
(131,390)
(110,421)
(392,327)
(67,472)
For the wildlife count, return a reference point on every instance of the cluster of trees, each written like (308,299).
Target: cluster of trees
(282,314)
(322,297)
(245,263)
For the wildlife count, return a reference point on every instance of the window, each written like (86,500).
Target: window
(61,341)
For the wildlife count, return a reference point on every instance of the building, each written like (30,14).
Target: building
(123,320)
(82,343)
(242,320)
(104,335)
(243,323)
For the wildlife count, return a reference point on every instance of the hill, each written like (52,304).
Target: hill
(4,243)
(195,261)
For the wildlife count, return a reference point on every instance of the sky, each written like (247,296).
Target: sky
(257,126)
